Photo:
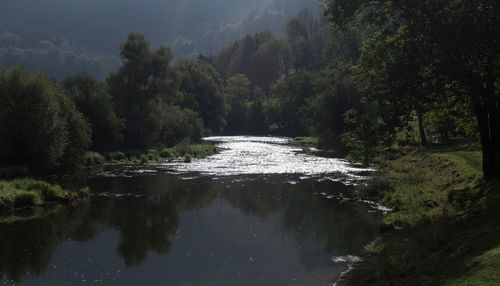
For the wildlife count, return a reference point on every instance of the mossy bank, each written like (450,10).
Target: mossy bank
(445,225)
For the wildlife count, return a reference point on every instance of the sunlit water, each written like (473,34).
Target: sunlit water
(249,155)
(257,213)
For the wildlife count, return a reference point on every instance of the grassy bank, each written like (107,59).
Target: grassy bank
(22,194)
(306,142)
(185,151)
(446,222)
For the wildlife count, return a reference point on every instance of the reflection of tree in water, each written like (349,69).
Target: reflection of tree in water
(344,227)
(256,198)
(146,223)
(27,246)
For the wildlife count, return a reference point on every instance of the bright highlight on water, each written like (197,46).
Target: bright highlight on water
(245,155)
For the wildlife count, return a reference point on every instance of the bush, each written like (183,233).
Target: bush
(115,156)
(153,155)
(188,158)
(167,153)
(28,192)
(94,158)
(144,158)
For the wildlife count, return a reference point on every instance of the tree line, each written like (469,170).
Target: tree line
(363,78)
(46,124)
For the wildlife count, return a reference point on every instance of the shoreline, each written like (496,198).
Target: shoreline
(443,229)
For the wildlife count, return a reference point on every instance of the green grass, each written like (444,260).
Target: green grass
(306,141)
(183,150)
(22,193)
(448,219)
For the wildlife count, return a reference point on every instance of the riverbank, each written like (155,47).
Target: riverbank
(20,193)
(445,224)
(185,151)
(26,194)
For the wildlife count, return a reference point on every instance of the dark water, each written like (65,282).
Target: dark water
(174,226)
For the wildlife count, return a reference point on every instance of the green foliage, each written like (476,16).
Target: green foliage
(306,141)
(94,158)
(428,58)
(22,193)
(337,94)
(202,91)
(262,58)
(289,97)
(79,133)
(142,89)
(114,156)
(237,92)
(39,127)
(366,135)
(92,99)
(167,153)
(181,124)
(450,120)
(307,37)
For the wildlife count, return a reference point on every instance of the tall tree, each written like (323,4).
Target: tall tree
(459,43)
(202,91)
(142,89)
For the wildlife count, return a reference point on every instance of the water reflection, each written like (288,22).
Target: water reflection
(204,231)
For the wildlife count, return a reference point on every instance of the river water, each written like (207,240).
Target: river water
(257,213)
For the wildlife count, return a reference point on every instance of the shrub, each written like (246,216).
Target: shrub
(167,153)
(28,192)
(94,158)
(144,158)
(115,156)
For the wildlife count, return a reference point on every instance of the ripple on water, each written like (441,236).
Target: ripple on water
(248,155)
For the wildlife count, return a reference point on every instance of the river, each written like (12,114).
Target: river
(257,213)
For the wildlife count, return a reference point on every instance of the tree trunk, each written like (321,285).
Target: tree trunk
(423,138)
(489,142)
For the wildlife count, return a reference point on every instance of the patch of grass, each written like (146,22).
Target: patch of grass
(21,193)
(195,150)
(449,219)
(153,154)
(306,141)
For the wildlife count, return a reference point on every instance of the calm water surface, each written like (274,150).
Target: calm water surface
(258,213)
